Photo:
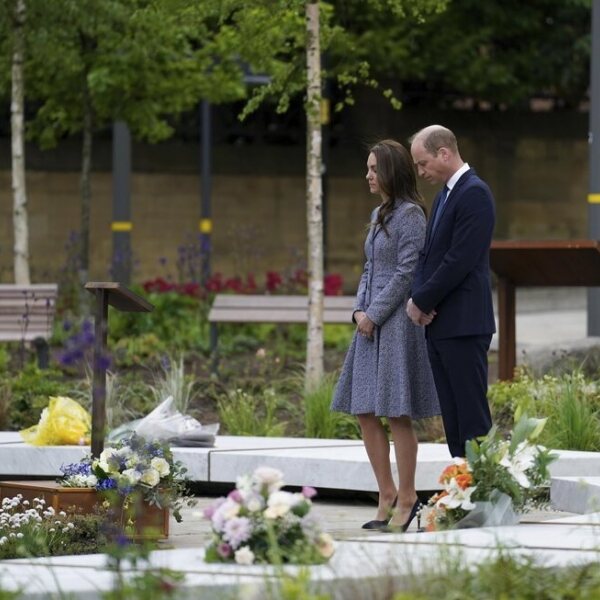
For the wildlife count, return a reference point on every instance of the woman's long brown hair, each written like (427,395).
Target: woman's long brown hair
(396,177)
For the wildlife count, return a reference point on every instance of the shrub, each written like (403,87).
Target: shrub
(570,401)
(27,393)
(320,421)
(243,413)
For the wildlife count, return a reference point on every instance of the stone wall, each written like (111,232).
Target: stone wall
(536,165)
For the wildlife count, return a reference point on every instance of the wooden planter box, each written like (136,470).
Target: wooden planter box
(151,522)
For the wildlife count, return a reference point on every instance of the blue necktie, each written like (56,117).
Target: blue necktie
(440,206)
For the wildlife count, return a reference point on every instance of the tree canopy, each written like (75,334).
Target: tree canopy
(499,52)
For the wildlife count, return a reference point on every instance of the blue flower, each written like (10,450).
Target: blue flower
(107,484)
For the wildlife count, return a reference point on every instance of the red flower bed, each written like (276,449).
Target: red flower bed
(275,283)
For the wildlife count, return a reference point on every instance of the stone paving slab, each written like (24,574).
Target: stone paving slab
(576,494)
(359,568)
(333,464)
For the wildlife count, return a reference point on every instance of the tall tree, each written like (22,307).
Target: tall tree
(17,110)
(314,199)
(273,38)
(12,29)
(140,61)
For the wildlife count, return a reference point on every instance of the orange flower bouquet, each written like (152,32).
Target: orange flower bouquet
(498,480)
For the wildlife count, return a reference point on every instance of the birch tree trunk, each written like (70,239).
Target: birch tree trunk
(17,110)
(314,199)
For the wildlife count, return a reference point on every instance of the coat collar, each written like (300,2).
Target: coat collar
(451,195)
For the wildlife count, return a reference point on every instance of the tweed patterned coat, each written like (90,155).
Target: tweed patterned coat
(389,374)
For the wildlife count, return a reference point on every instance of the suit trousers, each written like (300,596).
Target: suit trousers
(460,371)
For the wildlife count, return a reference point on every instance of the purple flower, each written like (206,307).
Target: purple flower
(309,492)
(208,512)
(236,496)
(224,550)
(237,530)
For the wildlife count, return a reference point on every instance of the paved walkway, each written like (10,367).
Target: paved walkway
(342,518)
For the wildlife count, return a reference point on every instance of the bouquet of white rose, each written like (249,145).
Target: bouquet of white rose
(258,522)
(133,467)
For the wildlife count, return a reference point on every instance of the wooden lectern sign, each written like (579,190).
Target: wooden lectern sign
(116,295)
(539,263)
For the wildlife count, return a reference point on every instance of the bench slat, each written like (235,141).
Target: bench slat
(36,301)
(275,316)
(264,301)
(277,309)
(7,336)
(31,310)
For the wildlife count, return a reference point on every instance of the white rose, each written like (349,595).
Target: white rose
(84,481)
(244,556)
(325,545)
(150,477)
(244,484)
(161,465)
(132,476)
(278,504)
(266,476)
(103,459)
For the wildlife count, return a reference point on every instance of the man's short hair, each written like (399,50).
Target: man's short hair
(435,137)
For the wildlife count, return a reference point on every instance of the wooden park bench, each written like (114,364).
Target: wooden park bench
(27,315)
(246,308)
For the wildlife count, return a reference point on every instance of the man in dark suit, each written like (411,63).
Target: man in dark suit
(451,293)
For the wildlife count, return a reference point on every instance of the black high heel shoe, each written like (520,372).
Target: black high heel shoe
(414,512)
(376,523)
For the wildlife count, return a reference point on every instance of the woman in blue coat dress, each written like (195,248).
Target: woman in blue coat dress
(386,372)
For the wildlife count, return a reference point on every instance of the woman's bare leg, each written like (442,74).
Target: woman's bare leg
(377,445)
(405,447)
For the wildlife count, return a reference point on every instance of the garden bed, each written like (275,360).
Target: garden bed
(151,522)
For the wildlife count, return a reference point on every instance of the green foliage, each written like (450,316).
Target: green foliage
(136,61)
(320,421)
(575,422)
(147,583)
(86,537)
(498,465)
(26,394)
(496,57)
(4,358)
(172,381)
(137,350)
(177,321)
(570,401)
(252,414)
(338,336)
(296,587)
(505,575)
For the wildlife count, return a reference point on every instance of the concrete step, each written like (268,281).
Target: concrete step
(576,494)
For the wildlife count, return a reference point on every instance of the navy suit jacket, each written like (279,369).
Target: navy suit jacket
(453,275)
